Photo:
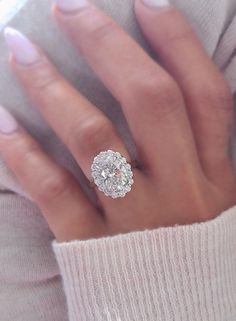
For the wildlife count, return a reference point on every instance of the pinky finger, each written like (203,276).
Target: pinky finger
(66,208)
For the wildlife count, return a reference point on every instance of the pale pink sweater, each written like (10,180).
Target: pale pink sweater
(179,273)
(168,274)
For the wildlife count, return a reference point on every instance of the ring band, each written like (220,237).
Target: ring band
(112,174)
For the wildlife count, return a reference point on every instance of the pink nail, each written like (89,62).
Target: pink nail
(71,5)
(8,124)
(21,47)
(157,3)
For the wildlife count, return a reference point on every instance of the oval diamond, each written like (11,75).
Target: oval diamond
(112,174)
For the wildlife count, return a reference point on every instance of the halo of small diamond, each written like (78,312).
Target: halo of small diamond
(112,174)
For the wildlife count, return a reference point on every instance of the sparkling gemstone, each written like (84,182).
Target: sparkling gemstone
(112,174)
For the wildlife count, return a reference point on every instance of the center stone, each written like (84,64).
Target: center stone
(112,174)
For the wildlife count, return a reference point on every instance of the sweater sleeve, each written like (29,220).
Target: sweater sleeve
(182,273)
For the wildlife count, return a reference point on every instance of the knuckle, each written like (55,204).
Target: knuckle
(40,77)
(223,95)
(103,28)
(181,33)
(218,94)
(93,130)
(53,186)
(26,149)
(92,133)
(163,88)
(157,92)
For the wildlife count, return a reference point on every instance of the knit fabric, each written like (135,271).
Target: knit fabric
(184,273)
(179,273)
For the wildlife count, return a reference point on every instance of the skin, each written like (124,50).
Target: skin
(179,113)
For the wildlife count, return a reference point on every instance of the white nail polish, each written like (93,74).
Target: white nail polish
(71,5)
(157,3)
(8,124)
(21,47)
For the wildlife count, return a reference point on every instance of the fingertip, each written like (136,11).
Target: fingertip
(56,12)
(21,47)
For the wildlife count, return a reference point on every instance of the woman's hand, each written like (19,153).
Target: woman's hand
(179,115)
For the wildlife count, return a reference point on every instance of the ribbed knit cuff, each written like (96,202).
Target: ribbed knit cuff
(183,273)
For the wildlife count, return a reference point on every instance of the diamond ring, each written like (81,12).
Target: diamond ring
(112,174)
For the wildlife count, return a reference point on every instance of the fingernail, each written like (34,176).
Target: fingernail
(8,124)
(71,5)
(156,3)
(21,47)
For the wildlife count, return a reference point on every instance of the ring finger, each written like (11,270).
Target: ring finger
(84,129)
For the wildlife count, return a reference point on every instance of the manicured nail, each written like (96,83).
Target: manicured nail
(71,5)
(21,47)
(8,124)
(156,3)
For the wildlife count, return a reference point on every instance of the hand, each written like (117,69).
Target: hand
(179,114)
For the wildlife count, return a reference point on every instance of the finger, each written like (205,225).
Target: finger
(151,100)
(84,129)
(67,210)
(206,93)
